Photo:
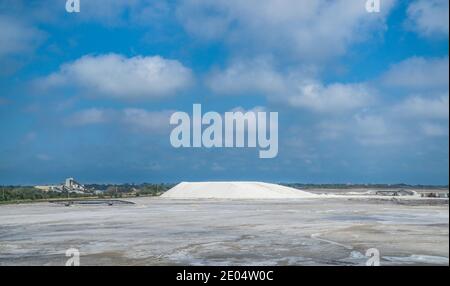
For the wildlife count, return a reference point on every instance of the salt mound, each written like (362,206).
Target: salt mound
(233,190)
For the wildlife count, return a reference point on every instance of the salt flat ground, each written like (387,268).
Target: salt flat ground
(158,231)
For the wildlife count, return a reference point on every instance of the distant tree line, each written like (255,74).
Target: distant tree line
(29,193)
(26,193)
(119,190)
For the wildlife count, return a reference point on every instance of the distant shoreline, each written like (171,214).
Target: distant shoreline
(314,188)
(303,185)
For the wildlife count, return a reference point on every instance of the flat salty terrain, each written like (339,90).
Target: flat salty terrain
(160,231)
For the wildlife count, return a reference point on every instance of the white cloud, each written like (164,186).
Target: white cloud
(366,128)
(371,125)
(418,72)
(434,130)
(414,119)
(17,38)
(246,77)
(306,30)
(435,107)
(429,17)
(376,130)
(119,77)
(333,98)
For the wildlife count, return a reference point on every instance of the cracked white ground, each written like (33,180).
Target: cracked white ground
(158,231)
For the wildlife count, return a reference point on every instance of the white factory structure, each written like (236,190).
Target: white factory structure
(69,185)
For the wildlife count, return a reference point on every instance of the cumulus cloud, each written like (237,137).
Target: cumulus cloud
(292,88)
(435,107)
(306,30)
(119,77)
(17,37)
(372,130)
(246,77)
(414,118)
(429,17)
(367,129)
(418,72)
(434,130)
(336,97)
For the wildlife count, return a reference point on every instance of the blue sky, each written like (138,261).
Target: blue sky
(362,98)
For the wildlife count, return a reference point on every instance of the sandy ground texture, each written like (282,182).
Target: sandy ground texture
(161,231)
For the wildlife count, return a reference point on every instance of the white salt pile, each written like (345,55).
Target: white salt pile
(233,190)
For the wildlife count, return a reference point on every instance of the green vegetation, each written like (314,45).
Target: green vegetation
(127,190)
(25,193)
(20,194)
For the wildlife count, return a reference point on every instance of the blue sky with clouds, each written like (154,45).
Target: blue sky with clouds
(362,98)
